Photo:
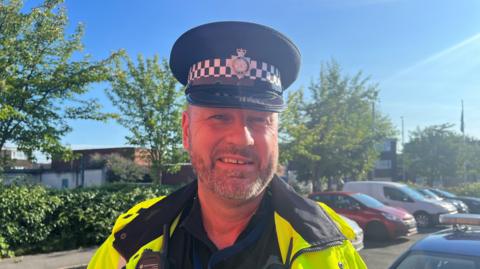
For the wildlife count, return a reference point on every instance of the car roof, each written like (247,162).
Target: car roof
(334,192)
(451,242)
(384,183)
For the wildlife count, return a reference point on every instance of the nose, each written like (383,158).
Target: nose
(240,134)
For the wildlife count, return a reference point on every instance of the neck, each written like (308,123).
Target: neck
(225,219)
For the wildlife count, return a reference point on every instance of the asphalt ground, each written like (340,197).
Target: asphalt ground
(380,255)
(377,255)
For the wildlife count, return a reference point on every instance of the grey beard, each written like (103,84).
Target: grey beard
(207,174)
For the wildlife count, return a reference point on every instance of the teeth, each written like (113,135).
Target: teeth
(228,160)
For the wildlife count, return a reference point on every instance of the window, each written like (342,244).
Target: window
(395,194)
(368,200)
(345,202)
(429,261)
(383,164)
(65,183)
(327,199)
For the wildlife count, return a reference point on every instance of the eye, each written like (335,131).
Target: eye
(259,120)
(219,117)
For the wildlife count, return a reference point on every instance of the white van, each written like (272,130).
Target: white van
(395,194)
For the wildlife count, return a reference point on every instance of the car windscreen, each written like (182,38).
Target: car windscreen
(367,200)
(412,193)
(426,260)
(430,194)
(446,193)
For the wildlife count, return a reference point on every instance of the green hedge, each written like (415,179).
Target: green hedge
(470,189)
(35,219)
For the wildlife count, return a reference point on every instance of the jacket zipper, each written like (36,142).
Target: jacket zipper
(314,249)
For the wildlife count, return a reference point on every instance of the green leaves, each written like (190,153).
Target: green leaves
(333,134)
(40,84)
(438,153)
(36,219)
(150,105)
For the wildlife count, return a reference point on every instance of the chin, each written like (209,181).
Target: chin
(241,191)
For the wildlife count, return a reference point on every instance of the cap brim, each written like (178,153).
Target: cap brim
(236,98)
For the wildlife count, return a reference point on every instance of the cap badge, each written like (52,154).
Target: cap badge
(240,63)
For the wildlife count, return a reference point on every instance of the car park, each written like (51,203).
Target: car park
(455,248)
(396,194)
(357,242)
(473,203)
(376,219)
(461,206)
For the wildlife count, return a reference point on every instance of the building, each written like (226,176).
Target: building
(88,169)
(386,165)
(17,159)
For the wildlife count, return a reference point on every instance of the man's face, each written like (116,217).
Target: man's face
(233,151)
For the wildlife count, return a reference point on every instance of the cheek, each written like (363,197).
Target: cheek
(268,142)
(202,140)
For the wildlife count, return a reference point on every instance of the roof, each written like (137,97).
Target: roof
(333,192)
(385,183)
(449,241)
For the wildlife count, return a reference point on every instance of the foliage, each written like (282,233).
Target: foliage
(36,219)
(26,212)
(149,102)
(438,153)
(333,136)
(120,169)
(40,83)
(467,189)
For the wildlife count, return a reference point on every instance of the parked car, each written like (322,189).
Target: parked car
(357,242)
(473,203)
(461,206)
(454,248)
(376,219)
(396,194)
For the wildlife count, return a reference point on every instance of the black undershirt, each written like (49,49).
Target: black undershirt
(190,234)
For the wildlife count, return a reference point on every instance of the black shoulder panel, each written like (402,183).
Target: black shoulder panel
(148,225)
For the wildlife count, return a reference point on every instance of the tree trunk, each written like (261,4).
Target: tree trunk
(317,185)
(330,183)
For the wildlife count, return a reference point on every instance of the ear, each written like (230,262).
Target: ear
(185,124)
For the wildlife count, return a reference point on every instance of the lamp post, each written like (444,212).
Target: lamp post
(403,150)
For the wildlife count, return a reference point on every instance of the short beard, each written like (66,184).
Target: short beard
(213,179)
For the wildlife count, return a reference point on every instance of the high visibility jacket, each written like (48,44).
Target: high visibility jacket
(310,235)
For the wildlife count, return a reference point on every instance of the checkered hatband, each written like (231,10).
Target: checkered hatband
(233,70)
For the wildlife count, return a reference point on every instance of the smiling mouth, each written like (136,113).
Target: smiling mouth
(235,161)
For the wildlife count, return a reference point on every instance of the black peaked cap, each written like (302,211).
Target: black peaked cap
(192,63)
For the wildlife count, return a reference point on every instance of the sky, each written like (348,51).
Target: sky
(424,55)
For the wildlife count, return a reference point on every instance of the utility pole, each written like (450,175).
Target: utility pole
(403,150)
(462,128)
(373,132)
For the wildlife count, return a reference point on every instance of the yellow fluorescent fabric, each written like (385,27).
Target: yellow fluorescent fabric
(340,256)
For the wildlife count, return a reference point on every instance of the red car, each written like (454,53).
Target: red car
(376,219)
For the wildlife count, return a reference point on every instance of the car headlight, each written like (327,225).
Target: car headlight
(448,207)
(391,217)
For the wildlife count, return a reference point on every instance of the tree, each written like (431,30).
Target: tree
(438,153)
(40,84)
(120,169)
(333,136)
(150,106)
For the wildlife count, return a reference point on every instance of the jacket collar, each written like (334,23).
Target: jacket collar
(305,216)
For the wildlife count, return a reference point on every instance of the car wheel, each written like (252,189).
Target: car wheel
(376,231)
(423,220)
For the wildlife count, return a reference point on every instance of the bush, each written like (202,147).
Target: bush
(26,214)
(36,219)
(468,189)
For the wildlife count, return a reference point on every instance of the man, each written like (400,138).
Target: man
(237,214)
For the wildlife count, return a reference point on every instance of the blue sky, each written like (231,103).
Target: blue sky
(424,54)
